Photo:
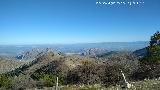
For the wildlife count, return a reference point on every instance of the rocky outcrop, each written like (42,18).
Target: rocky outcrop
(93,52)
(33,54)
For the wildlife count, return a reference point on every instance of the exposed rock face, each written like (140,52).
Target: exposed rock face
(43,59)
(29,54)
(49,50)
(93,52)
(33,54)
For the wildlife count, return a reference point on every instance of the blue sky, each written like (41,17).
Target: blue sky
(76,21)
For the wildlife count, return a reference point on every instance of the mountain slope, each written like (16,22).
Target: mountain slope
(41,61)
(9,65)
(141,52)
(118,55)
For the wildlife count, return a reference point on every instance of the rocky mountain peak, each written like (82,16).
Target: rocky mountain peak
(33,54)
(93,51)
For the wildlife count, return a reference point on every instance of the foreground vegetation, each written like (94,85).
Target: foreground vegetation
(138,85)
(87,75)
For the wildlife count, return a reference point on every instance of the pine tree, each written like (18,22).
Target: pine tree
(153,50)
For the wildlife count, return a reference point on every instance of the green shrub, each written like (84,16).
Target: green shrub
(147,71)
(153,50)
(106,73)
(84,74)
(5,80)
(150,64)
(49,79)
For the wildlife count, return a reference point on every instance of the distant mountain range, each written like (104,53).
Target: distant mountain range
(13,50)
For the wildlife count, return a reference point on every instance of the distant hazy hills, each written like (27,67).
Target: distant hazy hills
(13,50)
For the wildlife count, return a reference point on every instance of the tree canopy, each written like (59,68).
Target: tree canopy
(153,50)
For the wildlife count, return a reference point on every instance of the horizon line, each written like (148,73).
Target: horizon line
(74,43)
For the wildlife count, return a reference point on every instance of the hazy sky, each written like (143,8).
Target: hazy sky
(76,21)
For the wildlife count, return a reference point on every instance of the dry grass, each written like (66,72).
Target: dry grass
(138,85)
